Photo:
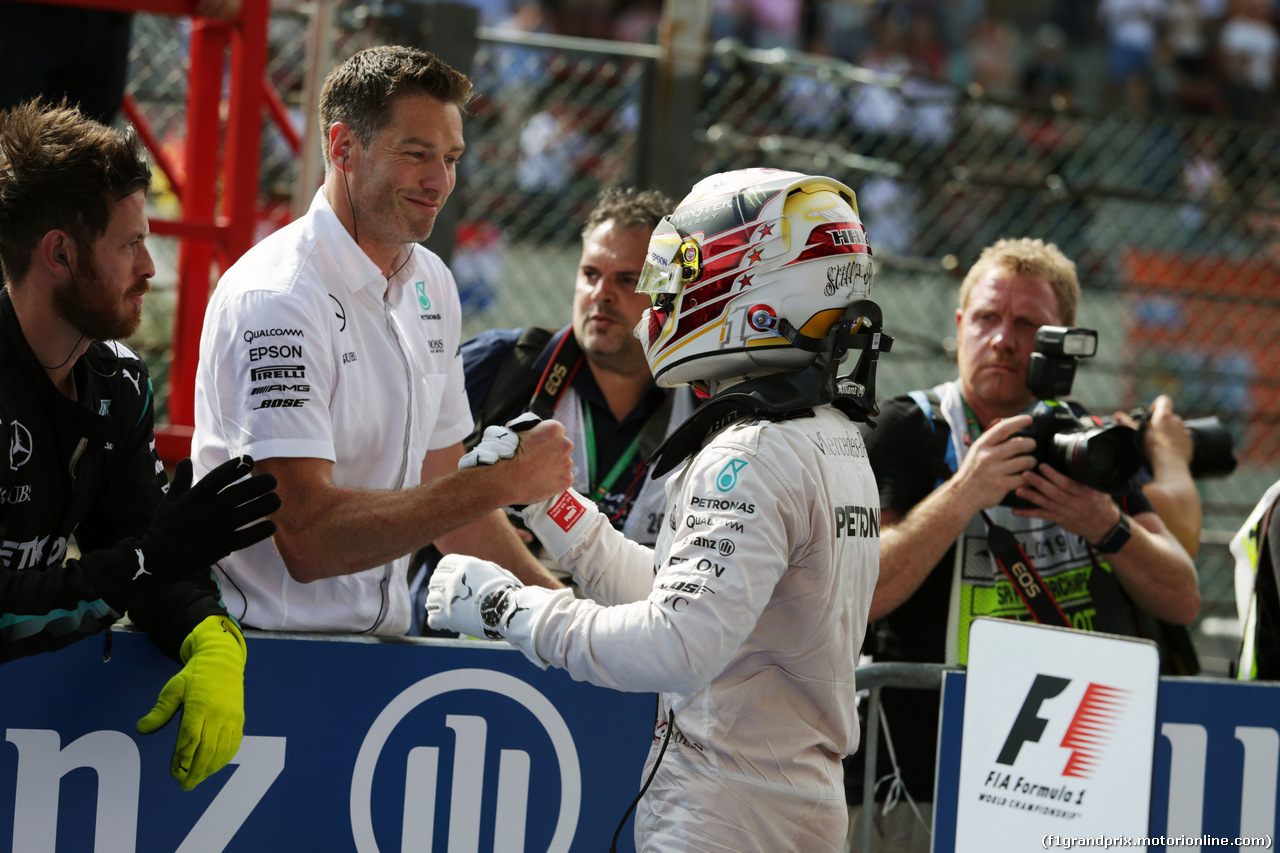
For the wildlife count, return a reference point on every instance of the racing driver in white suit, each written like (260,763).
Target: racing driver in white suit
(747,615)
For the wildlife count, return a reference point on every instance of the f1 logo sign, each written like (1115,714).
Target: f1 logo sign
(1090,730)
(423,773)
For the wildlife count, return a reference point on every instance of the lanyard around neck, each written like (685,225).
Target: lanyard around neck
(971,420)
(599,491)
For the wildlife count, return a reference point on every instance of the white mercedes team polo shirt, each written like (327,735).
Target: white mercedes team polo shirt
(307,351)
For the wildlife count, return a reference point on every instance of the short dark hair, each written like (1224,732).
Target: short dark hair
(360,91)
(628,207)
(60,169)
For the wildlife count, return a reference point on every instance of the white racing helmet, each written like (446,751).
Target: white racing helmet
(744,251)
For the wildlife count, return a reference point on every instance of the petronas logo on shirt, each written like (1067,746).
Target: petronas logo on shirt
(423,300)
(728,476)
(102,408)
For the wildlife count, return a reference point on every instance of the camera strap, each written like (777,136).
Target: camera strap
(1022,574)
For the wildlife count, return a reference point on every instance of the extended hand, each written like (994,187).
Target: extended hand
(196,526)
(210,689)
(481,599)
(471,596)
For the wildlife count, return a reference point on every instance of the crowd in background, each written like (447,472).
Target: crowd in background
(1205,57)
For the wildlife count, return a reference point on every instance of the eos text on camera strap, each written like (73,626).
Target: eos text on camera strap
(1022,574)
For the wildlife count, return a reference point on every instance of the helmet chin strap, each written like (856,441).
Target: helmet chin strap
(793,393)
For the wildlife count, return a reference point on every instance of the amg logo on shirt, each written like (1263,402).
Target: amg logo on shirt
(280,371)
(301,388)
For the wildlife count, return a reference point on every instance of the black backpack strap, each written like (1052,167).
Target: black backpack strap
(516,382)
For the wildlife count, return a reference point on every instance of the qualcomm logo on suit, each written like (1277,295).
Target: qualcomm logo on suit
(405,822)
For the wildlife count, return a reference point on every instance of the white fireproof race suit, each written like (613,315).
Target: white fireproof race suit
(746,617)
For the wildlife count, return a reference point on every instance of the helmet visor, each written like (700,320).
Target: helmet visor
(662,271)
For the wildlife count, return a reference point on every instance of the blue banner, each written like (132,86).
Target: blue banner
(349,744)
(1216,774)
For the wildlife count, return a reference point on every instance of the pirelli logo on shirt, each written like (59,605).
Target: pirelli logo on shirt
(277,371)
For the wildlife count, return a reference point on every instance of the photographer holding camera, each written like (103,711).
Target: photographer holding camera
(949,461)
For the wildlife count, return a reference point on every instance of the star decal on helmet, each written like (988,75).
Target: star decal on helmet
(754,257)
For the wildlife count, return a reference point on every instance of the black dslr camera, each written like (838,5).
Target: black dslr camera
(1102,456)
(1098,452)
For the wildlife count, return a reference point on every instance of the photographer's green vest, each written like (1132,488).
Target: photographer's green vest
(1079,579)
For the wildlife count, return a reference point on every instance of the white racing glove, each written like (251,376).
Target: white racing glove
(478,598)
(564,522)
(498,442)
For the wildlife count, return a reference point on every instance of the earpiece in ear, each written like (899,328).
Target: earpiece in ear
(62,258)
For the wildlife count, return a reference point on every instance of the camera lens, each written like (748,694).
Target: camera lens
(1103,458)
(1212,449)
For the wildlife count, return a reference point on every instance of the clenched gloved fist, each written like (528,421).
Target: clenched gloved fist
(481,599)
(498,442)
(210,689)
(194,527)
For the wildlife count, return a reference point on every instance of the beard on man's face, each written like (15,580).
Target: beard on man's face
(94,308)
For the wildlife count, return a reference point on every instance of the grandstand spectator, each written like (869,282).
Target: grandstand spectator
(993,54)
(639,22)
(1249,49)
(1187,47)
(1132,35)
(1047,79)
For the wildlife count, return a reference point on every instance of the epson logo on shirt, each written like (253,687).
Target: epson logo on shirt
(276,351)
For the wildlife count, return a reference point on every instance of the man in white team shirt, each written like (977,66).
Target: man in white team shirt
(748,612)
(330,352)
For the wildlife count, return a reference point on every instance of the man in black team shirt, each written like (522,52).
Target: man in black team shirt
(77,420)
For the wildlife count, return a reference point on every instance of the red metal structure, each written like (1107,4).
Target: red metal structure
(216,180)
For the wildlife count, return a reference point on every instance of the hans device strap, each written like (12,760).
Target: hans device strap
(782,396)
(1017,567)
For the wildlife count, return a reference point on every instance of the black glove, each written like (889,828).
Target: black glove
(193,528)
(196,526)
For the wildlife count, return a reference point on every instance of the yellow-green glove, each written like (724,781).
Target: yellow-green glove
(210,687)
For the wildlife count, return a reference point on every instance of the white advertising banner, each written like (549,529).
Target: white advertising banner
(1059,731)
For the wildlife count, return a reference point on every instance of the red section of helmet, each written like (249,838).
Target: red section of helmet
(834,238)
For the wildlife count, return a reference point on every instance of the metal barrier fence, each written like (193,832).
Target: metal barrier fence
(1173,221)
(873,678)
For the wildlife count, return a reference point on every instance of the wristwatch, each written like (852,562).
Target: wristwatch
(1116,537)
